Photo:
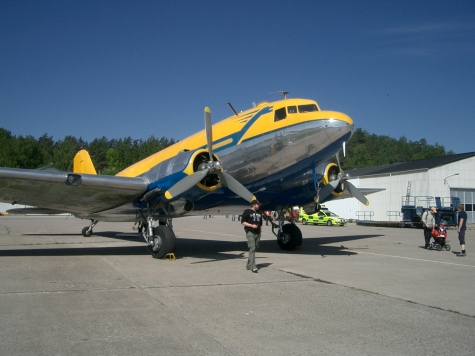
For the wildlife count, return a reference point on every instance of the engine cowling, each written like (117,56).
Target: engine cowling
(187,162)
(330,172)
(198,162)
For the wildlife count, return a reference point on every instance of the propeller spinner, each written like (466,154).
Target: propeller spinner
(208,168)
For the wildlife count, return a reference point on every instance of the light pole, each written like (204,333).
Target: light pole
(445,179)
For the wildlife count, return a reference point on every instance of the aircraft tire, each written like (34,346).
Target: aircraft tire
(290,237)
(86,232)
(167,236)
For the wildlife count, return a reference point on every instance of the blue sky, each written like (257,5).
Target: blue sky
(139,68)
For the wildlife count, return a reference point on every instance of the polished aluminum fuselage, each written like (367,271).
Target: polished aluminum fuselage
(264,164)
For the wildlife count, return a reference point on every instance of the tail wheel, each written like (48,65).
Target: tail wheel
(290,237)
(164,241)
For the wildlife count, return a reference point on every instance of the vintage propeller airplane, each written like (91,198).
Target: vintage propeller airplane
(275,152)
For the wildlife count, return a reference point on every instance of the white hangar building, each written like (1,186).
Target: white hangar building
(416,183)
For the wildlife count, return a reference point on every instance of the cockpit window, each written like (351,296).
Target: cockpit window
(308,108)
(280,114)
(292,109)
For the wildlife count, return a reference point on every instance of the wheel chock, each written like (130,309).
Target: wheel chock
(170,257)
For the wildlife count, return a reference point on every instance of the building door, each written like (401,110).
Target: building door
(467,198)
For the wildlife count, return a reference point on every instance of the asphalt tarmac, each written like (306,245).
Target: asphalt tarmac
(351,290)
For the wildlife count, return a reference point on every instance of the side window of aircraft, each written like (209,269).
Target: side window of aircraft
(308,108)
(280,114)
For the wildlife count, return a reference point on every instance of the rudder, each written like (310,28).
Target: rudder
(82,163)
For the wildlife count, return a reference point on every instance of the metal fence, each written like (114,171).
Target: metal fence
(365,215)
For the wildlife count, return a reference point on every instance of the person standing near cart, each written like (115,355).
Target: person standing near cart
(252,222)
(428,223)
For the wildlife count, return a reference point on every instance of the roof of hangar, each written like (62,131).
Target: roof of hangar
(409,166)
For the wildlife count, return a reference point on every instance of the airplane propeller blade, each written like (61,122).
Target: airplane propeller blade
(328,189)
(186,183)
(356,193)
(209,132)
(214,167)
(233,185)
(338,160)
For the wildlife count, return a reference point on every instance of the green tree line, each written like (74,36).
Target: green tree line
(112,156)
(369,150)
(109,156)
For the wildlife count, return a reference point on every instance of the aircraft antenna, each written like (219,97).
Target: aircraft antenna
(231,106)
(284,93)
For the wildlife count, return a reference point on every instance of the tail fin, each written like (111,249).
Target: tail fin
(83,164)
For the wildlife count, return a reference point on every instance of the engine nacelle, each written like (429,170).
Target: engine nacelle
(330,172)
(181,207)
(311,209)
(198,161)
(187,162)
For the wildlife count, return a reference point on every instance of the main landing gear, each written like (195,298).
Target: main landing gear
(87,231)
(160,239)
(289,236)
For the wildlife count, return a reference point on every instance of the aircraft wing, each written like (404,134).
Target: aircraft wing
(56,192)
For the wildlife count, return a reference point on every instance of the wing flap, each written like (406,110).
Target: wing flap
(50,190)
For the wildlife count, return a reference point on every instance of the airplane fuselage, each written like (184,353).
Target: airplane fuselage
(263,148)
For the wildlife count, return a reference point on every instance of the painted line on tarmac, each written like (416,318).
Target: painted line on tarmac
(366,253)
(411,258)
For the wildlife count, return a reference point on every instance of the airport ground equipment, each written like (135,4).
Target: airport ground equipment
(414,206)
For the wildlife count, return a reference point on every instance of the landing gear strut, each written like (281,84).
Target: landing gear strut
(289,236)
(161,242)
(160,239)
(87,231)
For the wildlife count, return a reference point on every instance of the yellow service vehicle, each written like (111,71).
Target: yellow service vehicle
(323,217)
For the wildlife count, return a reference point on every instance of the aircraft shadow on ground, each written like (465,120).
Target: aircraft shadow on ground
(112,234)
(212,250)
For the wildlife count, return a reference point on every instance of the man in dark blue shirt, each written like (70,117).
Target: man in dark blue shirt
(462,226)
(252,222)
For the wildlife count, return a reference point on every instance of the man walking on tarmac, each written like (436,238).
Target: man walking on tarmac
(252,222)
